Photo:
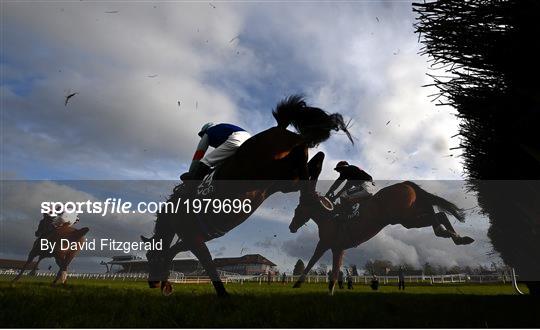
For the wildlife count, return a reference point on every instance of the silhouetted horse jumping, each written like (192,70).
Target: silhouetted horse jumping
(403,203)
(272,161)
(62,257)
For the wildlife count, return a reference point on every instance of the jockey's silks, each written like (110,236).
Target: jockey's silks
(219,133)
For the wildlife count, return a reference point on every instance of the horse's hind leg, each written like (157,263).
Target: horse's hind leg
(299,160)
(438,228)
(319,251)
(62,274)
(65,263)
(58,277)
(440,231)
(441,220)
(31,257)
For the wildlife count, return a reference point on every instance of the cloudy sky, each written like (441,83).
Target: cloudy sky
(131,63)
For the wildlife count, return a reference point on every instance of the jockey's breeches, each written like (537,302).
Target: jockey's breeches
(226,149)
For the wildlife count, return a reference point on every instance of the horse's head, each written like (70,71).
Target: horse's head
(158,265)
(302,215)
(306,211)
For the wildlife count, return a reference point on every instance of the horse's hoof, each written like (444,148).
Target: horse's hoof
(166,288)
(223,294)
(442,233)
(464,240)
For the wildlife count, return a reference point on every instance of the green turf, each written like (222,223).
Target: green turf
(99,303)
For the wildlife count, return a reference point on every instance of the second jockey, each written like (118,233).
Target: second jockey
(52,221)
(355,179)
(224,138)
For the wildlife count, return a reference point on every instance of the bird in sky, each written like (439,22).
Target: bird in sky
(69,97)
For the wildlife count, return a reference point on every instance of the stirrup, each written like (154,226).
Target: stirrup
(326,203)
(179,187)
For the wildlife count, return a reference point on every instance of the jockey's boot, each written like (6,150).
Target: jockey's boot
(200,171)
(193,178)
(309,197)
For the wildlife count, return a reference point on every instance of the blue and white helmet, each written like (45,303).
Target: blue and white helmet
(205,128)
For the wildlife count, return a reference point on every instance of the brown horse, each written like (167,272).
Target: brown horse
(272,161)
(62,257)
(402,203)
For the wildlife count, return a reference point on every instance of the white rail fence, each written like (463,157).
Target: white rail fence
(431,279)
(177,277)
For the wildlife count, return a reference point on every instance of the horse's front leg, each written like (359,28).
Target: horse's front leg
(160,262)
(200,250)
(34,269)
(319,251)
(315,166)
(65,263)
(299,157)
(337,260)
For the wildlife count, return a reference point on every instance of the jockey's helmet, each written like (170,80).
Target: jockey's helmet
(205,128)
(342,164)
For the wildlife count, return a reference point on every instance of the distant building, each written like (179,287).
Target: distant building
(12,264)
(125,263)
(250,264)
(136,264)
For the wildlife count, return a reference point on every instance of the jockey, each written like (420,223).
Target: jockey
(51,221)
(224,138)
(65,219)
(46,225)
(353,188)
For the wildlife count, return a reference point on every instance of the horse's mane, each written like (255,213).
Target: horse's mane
(313,124)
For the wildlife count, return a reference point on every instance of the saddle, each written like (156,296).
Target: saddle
(194,189)
(62,231)
(43,232)
(349,208)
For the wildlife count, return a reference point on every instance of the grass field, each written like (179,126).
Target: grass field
(99,303)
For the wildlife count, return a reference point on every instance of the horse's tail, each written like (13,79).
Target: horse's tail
(313,124)
(440,202)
